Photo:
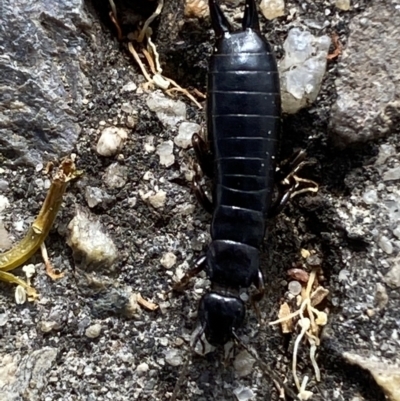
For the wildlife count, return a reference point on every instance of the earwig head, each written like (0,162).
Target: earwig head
(219,316)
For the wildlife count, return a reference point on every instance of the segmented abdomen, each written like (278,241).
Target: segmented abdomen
(243,125)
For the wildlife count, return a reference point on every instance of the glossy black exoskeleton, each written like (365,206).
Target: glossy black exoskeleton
(243,121)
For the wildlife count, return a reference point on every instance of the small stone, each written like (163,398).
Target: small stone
(3,319)
(343,275)
(93,331)
(173,357)
(294,288)
(5,241)
(243,393)
(95,196)
(396,232)
(46,327)
(393,207)
(302,68)
(392,174)
(130,121)
(149,144)
(381,297)
(385,244)
(165,151)
(91,246)
(148,175)
(168,260)
(392,277)
(343,5)
(243,363)
(185,133)
(20,295)
(115,176)
(29,270)
(4,203)
(385,151)
(158,200)
(3,185)
(142,368)
(272,8)
(111,141)
(129,87)
(370,197)
(169,111)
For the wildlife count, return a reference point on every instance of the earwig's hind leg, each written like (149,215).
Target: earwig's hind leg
(201,196)
(203,155)
(290,165)
(219,22)
(258,295)
(280,203)
(199,265)
(250,19)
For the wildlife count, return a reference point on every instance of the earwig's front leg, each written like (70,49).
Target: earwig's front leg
(199,265)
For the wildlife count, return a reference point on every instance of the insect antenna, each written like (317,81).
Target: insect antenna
(182,375)
(266,369)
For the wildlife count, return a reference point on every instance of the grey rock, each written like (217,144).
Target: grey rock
(115,176)
(25,376)
(368,86)
(243,363)
(169,111)
(42,80)
(95,196)
(386,374)
(392,278)
(392,175)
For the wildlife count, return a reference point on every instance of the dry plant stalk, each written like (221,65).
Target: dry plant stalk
(40,228)
(146,304)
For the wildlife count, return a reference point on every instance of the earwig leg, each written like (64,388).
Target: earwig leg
(203,155)
(201,196)
(280,203)
(199,265)
(257,296)
(291,165)
(198,338)
(289,183)
(219,22)
(250,19)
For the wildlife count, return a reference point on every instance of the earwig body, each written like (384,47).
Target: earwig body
(243,121)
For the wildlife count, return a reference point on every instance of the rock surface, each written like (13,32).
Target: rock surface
(43,79)
(368,85)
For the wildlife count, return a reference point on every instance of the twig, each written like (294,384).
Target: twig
(49,268)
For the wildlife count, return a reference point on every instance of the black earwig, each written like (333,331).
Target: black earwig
(243,120)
